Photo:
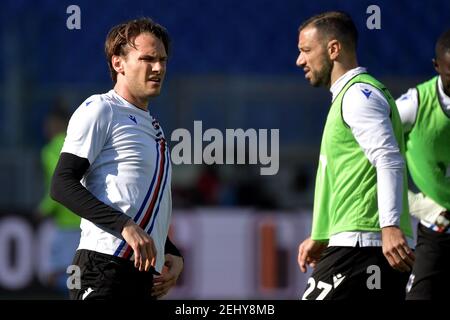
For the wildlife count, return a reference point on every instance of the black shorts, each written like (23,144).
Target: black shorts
(361,273)
(104,276)
(429,278)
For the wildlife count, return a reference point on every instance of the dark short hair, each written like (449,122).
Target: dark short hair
(443,43)
(125,33)
(334,25)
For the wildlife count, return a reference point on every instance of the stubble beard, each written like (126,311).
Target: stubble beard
(323,76)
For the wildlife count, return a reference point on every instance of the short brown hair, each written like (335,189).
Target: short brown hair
(125,33)
(336,25)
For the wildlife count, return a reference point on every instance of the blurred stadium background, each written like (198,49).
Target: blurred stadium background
(232,66)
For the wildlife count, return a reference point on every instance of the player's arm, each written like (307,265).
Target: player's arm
(309,252)
(369,121)
(407,105)
(170,248)
(174,264)
(67,190)
(424,208)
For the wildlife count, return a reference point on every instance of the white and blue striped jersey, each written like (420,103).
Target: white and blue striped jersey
(130,170)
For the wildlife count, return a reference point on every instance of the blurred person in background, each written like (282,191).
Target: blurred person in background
(119,152)
(425,114)
(361,216)
(67,224)
(208,186)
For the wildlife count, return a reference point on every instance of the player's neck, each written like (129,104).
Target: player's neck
(342,67)
(128,96)
(446,91)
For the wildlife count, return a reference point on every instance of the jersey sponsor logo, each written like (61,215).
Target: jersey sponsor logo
(88,103)
(132,118)
(87,292)
(366,92)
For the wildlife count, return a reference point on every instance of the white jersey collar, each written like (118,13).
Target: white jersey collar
(339,84)
(445,100)
(126,103)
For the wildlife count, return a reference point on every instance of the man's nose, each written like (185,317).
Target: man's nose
(158,67)
(300,60)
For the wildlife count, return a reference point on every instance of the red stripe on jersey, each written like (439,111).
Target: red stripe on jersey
(149,212)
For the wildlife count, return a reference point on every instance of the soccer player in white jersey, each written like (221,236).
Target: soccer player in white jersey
(358,246)
(115,172)
(425,114)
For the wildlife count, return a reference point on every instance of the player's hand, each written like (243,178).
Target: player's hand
(169,276)
(396,249)
(309,253)
(142,244)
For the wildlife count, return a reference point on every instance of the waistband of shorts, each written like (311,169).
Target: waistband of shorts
(108,257)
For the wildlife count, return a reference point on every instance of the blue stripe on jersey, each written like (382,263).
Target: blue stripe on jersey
(162,191)
(149,192)
(144,203)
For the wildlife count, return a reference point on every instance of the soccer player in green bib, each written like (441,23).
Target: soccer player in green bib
(425,114)
(358,245)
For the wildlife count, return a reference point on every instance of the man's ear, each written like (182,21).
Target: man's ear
(117,63)
(435,64)
(334,49)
